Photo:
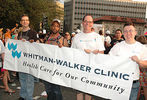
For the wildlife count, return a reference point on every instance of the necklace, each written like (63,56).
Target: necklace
(24,35)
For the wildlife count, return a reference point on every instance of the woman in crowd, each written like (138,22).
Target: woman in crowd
(143,71)
(6,76)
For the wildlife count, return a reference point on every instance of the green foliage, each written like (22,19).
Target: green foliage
(12,10)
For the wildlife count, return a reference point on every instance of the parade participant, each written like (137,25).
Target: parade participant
(117,38)
(143,71)
(73,34)
(107,37)
(5,72)
(102,35)
(68,37)
(6,75)
(88,41)
(26,80)
(107,40)
(1,59)
(54,38)
(133,49)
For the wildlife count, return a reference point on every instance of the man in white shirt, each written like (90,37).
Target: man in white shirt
(133,49)
(88,41)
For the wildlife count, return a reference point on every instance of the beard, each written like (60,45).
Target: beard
(54,32)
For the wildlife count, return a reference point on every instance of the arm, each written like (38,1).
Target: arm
(12,30)
(107,44)
(100,46)
(73,43)
(141,63)
(87,51)
(62,42)
(2,58)
(97,51)
(65,44)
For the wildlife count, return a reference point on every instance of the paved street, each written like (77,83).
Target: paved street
(68,94)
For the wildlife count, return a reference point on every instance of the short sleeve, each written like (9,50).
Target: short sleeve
(114,50)
(144,53)
(100,44)
(73,43)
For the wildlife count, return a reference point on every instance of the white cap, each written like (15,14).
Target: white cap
(78,31)
(107,32)
(56,20)
(73,33)
(66,33)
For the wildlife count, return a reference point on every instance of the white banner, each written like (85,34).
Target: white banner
(101,75)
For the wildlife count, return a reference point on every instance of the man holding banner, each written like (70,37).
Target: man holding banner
(101,75)
(88,41)
(26,80)
(131,48)
(54,38)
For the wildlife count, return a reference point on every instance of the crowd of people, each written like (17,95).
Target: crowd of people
(123,43)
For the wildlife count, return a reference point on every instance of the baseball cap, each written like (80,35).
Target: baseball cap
(73,33)
(56,20)
(107,32)
(78,31)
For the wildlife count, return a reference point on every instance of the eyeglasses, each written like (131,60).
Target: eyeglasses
(55,26)
(130,31)
(24,20)
(88,21)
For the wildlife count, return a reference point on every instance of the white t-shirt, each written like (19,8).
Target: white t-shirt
(129,50)
(103,38)
(91,41)
(108,39)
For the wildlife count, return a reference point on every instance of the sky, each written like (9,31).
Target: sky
(141,0)
(62,1)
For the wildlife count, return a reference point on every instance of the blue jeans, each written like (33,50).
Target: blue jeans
(53,91)
(27,86)
(134,91)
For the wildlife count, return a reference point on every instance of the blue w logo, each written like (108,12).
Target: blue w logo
(14,51)
(12,46)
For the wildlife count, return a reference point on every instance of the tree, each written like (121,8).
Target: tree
(12,10)
(36,9)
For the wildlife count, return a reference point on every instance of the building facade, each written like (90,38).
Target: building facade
(74,10)
(60,13)
(112,23)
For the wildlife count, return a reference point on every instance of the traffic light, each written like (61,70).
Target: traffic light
(45,24)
